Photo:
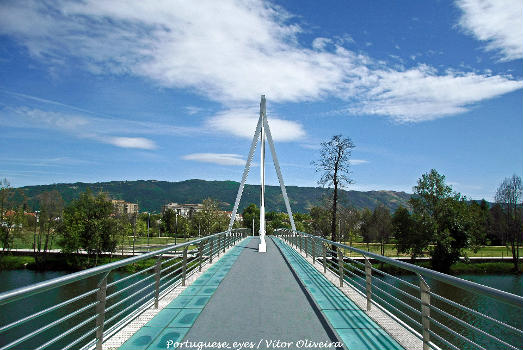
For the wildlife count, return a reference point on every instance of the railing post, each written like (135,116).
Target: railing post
(100,311)
(324,258)
(211,250)
(305,241)
(184,266)
(219,247)
(224,241)
(425,311)
(313,241)
(301,244)
(368,280)
(157,272)
(340,266)
(200,255)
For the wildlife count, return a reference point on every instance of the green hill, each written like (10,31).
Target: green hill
(152,194)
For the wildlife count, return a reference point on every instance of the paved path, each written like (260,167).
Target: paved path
(261,300)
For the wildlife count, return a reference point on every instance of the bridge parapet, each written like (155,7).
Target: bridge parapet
(442,311)
(100,301)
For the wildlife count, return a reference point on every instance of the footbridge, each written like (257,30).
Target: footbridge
(289,290)
(219,292)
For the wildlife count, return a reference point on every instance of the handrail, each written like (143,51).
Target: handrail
(500,295)
(40,287)
(111,310)
(411,307)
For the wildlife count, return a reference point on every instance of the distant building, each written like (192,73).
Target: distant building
(186,210)
(123,207)
(238,217)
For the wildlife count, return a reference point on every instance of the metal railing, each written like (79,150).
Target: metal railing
(441,310)
(81,309)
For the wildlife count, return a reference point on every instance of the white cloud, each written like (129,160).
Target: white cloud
(420,94)
(97,129)
(216,158)
(358,161)
(132,142)
(499,23)
(234,51)
(242,123)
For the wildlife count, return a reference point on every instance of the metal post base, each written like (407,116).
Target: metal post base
(262,247)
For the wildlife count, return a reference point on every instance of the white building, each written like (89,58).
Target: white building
(186,210)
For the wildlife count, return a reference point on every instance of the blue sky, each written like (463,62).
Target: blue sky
(169,90)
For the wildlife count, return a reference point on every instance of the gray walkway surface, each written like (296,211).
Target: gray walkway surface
(261,302)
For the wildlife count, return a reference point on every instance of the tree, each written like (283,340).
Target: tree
(508,195)
(249,213)
(442,217)
(321,221)
(334,164)
(88,224)
(497,225)
(51,207)
(350,220)
(169,222)
(211,218)
(382,226)
(366,226)
(6,192)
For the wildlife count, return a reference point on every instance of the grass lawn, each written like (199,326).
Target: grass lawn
(390,250)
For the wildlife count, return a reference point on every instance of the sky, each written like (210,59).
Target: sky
(96,91)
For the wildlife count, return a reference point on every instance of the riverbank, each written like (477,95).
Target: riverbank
(80,262)
(71,263)
(460,268)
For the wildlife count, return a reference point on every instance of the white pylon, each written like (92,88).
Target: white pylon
(262,131)
(262,247)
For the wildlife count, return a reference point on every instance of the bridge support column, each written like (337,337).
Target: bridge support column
(425,311)
(368,280)
(262,247)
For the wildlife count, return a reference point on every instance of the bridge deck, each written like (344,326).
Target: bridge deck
(257,298)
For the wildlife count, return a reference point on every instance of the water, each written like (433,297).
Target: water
(488,306)
(21,308)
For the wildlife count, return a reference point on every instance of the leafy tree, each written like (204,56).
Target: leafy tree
(350,221)
(497,225)
(6,221)
(249,213)
(508,195)
(321,221)
(334,164)
(88,224)
(409,240)
(51,207)
(366,226)
(381,226)
(443,218)
(169,222)
(211,218)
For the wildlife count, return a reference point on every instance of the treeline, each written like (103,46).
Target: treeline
(91,224)
(440,222)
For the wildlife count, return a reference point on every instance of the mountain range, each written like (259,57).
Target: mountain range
(151,195)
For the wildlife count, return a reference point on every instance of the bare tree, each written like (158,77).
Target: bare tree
(509,195)
(334,165)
